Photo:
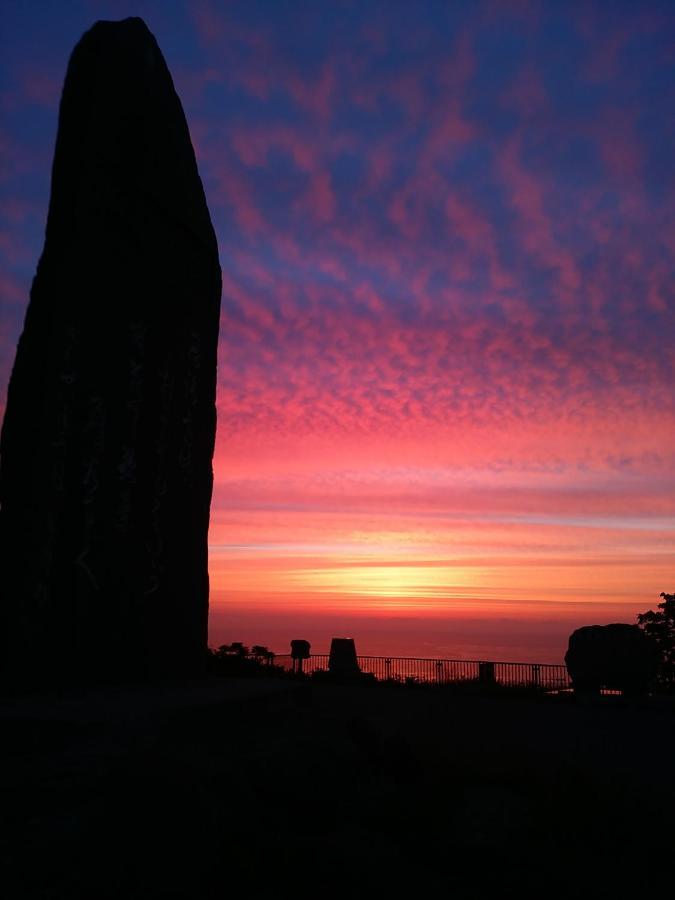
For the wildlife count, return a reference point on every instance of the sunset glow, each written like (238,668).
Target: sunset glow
(445,391)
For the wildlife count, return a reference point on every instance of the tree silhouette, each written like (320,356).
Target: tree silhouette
(660,625)
(234,649)
(236,659)
(262,654)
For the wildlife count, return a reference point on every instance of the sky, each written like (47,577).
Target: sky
(446,417)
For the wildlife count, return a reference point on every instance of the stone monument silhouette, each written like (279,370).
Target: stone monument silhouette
(107,442)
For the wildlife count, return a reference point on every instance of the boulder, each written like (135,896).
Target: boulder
(616,657)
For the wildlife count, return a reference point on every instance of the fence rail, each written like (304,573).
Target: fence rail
(547,676)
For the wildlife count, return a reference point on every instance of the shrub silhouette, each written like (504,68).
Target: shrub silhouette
(262,654)
(237,659)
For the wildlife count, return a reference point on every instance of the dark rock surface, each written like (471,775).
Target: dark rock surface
(618,657)
(108,437)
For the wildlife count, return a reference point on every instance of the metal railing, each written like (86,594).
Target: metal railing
(547,676)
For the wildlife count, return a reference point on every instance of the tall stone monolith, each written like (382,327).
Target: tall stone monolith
(107,442)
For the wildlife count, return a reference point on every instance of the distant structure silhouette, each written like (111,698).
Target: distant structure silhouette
(108,437)
(618,657)
(300,650)
(342,659)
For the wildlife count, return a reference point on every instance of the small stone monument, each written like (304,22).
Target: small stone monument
(342,660)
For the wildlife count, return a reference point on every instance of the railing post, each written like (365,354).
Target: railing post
(536,675)
(486,673)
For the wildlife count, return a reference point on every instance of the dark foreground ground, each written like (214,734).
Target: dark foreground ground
(261,788)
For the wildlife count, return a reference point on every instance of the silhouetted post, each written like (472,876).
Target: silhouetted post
(300,650)
(342,659)
(107,443)
(536,675)
(486,673)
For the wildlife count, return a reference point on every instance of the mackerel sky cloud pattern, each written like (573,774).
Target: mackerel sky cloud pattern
(448,243)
